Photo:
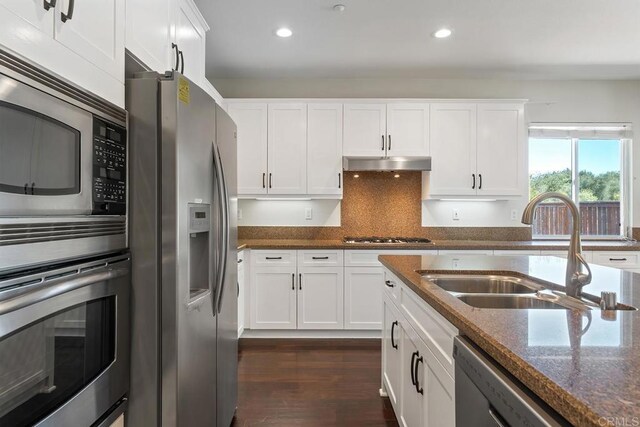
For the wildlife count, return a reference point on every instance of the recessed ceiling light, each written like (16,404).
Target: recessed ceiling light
(339,7)
(284,32)
(442,33)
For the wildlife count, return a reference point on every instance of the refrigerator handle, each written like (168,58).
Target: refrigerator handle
(224,216)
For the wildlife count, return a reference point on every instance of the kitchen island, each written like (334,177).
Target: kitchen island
(584,365)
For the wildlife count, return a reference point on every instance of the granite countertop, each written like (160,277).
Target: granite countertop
(599,245)
(584,370)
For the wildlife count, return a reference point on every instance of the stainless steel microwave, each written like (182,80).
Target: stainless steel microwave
(63,170)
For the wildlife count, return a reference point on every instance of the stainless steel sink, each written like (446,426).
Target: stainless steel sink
(483,284)
(509,302)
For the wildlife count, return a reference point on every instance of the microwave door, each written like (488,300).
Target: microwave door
(45,154)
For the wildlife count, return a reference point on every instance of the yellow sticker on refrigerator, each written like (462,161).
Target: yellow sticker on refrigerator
(183,90)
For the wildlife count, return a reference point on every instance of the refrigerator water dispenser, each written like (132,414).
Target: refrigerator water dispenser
(199,261)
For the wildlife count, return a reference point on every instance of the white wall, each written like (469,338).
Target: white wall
(549,101)
(288,212)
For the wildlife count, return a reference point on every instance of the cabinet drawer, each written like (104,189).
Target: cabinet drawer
(273,257)
(515,252)
(320,258)
(623,259)
(361,258)
(392,286)
(435,330)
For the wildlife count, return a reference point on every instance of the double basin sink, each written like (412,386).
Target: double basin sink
(508,292)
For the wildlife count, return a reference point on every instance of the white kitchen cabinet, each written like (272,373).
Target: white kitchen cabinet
(453,150)
(365,130)
(95,31)
(515,252)
(429,400)
(385,130)
(241,292)
(320,297)
(273,298)
(477,150)
(150,32)
(251,121)
(407,129)
(324,149)
(392,336)
(465,252)
(625,260)
(363,297)
(191,29)
(86,49)
(287,148)
(500,158)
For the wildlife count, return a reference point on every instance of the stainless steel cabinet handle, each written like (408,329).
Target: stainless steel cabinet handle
(67,16)
(264,177)
(320,257)
(273,257)
(269,179)
(49,4)
(496,417)
(473,186)
(413,360)
(300,281)
(617,259)
(175,47)
(389,284)
(480,177)
(293,281)
(388,142)
(382,143)
(181,62)
(393,326)
(339,180)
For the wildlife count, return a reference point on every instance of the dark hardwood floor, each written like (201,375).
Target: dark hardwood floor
(311,383)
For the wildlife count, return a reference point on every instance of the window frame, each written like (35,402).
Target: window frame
(625,184)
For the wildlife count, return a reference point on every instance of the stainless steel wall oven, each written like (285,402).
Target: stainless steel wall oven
(64,343)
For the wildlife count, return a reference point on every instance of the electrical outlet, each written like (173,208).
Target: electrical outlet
(308,213)
(239,213)
(456,215)
(514,214)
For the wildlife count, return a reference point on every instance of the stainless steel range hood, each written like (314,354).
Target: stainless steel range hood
(387,164)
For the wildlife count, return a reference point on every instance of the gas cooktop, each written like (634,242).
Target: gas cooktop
(385,240)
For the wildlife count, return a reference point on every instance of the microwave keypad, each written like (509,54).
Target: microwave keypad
(109,169)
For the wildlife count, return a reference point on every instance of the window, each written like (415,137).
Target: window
(587,165)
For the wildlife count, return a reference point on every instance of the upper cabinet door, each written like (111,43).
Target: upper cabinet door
(95,31)
(149,32)
(365,130)
(287,148)
(324,149)
(251,120)
(407,129)
(34,20)
(190,37)
(453,150)
(501,168)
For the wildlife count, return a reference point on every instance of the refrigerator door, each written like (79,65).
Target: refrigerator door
(226,206)
(188,241)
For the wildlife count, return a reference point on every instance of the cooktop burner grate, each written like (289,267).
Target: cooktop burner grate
(387,240)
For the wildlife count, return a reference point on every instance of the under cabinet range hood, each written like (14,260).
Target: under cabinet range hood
(388,164)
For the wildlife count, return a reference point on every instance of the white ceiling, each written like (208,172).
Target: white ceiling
(392,38)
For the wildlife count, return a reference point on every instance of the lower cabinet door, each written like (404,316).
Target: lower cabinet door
(392,336)
(363,297)
(428,398)
(273,298)
(321,298)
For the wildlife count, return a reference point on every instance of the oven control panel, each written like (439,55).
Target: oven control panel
(109,169)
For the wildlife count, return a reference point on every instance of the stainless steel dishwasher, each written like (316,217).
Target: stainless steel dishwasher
(487,395)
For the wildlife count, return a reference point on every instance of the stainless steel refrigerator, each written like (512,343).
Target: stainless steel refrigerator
(183,239)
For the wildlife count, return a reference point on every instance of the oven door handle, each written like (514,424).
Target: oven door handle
(47,290)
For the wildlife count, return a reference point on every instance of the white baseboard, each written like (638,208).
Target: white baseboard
(295,333)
